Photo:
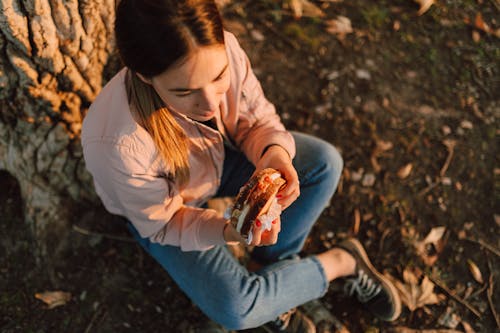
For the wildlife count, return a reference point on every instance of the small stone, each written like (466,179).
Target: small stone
(446,130)
(363,74)
(368,180)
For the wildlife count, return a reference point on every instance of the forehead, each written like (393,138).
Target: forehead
(199,68)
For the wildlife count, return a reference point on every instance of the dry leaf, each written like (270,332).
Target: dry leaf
(301,8)
(467,327)
(222,3)
(405,171)
(476,273)
(54,298)
(481,25)
(402,329)
(413,294)
(339,26)
(434,239)
(424,5)
(357,222)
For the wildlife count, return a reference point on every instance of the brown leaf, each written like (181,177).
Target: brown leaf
(339,26)
(405,171)
(467,327)
(357,222)
(424,5)
(435,240)
(413,294)
(402,329)
(476,273)
(301,8)
(54,298)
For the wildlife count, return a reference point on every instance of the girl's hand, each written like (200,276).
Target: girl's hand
(277,157)
(261,237)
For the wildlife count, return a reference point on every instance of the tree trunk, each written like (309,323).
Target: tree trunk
(53,56)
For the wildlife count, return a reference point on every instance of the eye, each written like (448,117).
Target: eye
(183,93)
(221,75)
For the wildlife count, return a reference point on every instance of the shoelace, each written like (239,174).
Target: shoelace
(364,287)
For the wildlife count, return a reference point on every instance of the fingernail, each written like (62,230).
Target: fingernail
(279,196)
(274,221)
(258,223)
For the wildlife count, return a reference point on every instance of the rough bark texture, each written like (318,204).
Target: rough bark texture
(53,54)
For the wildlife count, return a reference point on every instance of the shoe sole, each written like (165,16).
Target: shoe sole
(387,284)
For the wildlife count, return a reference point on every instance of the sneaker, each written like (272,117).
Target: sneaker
(370,287)
(293,321)
(322,318)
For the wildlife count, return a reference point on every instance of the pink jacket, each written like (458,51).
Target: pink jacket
(129,175)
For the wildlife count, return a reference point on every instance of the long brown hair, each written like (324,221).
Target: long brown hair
(151,36)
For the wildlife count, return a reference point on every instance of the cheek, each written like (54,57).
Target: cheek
(223,85)
(180,104)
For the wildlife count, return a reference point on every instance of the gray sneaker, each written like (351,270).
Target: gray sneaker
(369,286)
(293,321)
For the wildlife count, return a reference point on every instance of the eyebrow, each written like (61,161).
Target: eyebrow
(184,89)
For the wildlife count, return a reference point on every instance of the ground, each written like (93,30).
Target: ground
(393,96)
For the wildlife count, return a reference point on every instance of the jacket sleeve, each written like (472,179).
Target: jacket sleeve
(258,123)
(151,203)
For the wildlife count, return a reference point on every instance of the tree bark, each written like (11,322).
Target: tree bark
(53,57)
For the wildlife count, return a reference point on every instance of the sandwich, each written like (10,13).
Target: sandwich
(257,199)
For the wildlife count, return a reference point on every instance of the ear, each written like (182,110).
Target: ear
(144,79)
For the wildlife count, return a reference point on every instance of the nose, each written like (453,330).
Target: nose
(209,99)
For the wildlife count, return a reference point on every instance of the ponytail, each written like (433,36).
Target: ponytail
(169,138)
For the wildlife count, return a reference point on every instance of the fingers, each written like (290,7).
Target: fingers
(287,195)
(261,236)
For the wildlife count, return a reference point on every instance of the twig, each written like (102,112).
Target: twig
(485,245)
(92,320)
(489,294)
(109,236)
(430,187)
(450,145)
(477,292)
(453,295)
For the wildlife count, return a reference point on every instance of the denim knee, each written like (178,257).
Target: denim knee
(333,163)
(326,161)
(240,311)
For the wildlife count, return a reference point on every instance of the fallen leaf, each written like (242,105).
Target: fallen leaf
(481,25)
(414,294)
(357,222)
(222,3)
(402,329)
(424,5)
(476,273)
(467,327)
(384,145)
(306,8)
(405,171)
(433,241)
(339,26)
(54,298)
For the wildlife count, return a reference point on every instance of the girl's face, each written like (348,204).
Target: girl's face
(195,86)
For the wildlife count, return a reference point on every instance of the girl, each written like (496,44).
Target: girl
(186,120)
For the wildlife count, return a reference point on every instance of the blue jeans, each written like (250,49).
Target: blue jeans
(225,290)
